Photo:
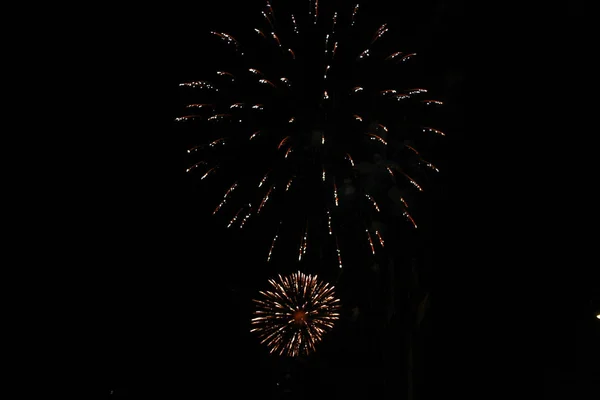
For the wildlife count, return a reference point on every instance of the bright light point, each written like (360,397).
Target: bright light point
(598,316)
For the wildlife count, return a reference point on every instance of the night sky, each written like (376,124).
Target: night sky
(180,284)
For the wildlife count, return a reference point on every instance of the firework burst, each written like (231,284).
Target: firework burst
(316,121)
(292,318)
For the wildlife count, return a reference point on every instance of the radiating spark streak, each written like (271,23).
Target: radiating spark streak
(264,179)
(268,19)
(370,241)
(363,54)
(354,15)
(410,219)
(276,39)
(393,55)
(247,216)
(316,11)
(289,150)
(428,129)
(416,91)
(273,243)
(199,105)
(326,71)
(404,202)
(283,141)
(411,148)
(265,199)
(296,31)
(339,253)
(334,21)
(254,135)
(237,105)
(329,222)
(350,159)
(255,71)
(322,138)
(231,189)
(357,89)
(234,217)
(382,29)
(208,172)
(259,107)
(399,97)
(323,174)
(303,242)
(390,171)
(292,53)
(287,187)
(428,102)
(195,165)
(325,95)
(407,57)
(219,117)
(199,84)
(224,73)
(373,202)
(326,43)
(291,120)
(430,165)
(187,117)
(335,194)
(286,81)
(271,10)
(260,33)
(411,180)
(266,81)
(378,138)
(357,117)
(382,127)
(388,91)
(380,238)
(195,148)
(216,142)
(229,39)
(335,45)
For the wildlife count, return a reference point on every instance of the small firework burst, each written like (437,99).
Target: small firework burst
(293,317)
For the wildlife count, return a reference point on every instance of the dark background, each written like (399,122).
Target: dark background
(176,309)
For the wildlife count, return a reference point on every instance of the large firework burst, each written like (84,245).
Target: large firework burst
(315,124)
(293,317)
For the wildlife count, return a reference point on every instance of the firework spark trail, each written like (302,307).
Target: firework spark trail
(370,241)
(407,215)
(411,180)
(380,238)
(265,199)
(195,165)
(235,217)
(354,14)
(339,253)
(292,317)
(303,243)
(287,187)
(273,243)
(372,202)
(231,188)
(335,194)
(247,216)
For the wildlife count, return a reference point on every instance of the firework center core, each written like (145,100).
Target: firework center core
(299,317)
